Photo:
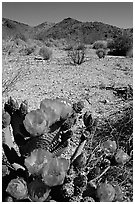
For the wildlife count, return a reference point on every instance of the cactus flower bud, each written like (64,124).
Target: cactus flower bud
(11,106)
(38,191)
(17,188)
(23,107)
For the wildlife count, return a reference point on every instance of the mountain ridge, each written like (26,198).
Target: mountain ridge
(68,28)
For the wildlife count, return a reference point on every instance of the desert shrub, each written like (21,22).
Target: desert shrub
(100,44)
(121,45)
(76,56)
(130,53)
(110,41)
(28,50)
(45,52)
(80,46)
(9,24)
(48,44)
(101,53)
(68,47)
(7,46)
(9,84)
(61,43)
(20,36)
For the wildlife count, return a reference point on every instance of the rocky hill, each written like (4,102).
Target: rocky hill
(11,28)
(69,28)
(88,32)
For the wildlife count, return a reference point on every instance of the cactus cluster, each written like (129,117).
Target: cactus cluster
(36,170)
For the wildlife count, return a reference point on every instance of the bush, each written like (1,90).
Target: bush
(121,45)
(8,46)
(45,53)
(110,41)
(68,48)
(100,53)
(20,36)
(76,56)
(100,44)
(28,50)
(76,46)
(48,44)
(80,46)
(130,53)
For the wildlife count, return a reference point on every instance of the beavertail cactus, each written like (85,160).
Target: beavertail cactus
(55,171)
(78,106)
(38,191)
(23,108)
(6,118)
(17,188)
(7,137)
(35,122)
(80,183)
(11,106)
(80,161)
(87,119)
(69,122)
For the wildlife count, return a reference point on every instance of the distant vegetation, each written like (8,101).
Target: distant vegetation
(69,30)
(121,45)
(77,54)
(45,52)
(100,52)
(100,44)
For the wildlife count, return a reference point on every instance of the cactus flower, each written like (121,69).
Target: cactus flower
(35,122)
(55,109)
(66,107)
(5,170)
(38,191)
(55,171)
(105,192)
(36,161)
(109,147)
(17,188)
(121,157)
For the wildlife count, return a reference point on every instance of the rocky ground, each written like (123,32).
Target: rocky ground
(58,78)
(91,82)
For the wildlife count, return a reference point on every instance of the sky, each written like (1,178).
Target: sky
(119,14)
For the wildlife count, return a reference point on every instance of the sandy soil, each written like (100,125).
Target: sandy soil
(58,78)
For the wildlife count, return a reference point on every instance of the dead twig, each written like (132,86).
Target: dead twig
(98,177)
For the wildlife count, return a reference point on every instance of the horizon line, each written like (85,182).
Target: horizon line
(64,19)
